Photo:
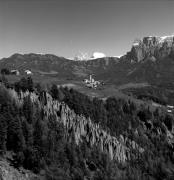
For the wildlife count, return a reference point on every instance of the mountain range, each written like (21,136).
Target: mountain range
(150,61)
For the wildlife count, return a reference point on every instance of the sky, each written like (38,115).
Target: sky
(67,27)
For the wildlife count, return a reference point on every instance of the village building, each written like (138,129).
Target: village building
(91,83)
(15,72)
(170,108)
(28,72)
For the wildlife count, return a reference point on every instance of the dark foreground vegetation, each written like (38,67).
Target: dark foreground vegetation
(39,143)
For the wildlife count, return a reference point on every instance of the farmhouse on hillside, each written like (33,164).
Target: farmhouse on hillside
(15,72)
(28,72)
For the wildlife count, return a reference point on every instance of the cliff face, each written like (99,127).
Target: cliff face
(82,128)
(152,47)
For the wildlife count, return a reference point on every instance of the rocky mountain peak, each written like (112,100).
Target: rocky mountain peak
(152,46)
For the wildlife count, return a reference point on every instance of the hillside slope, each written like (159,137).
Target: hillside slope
(8,172)
(79,138)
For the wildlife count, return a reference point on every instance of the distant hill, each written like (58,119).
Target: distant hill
(64,67)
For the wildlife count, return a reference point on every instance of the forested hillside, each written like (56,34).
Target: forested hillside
(63,134)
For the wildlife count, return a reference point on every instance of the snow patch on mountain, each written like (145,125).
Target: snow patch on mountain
(81,57)
(97,55)
(166,38)
(136,44)
(117,56)
(85,56)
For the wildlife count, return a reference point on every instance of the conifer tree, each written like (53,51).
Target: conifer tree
(28,109)
(3,133)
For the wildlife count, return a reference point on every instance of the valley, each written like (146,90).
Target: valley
(104,118)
